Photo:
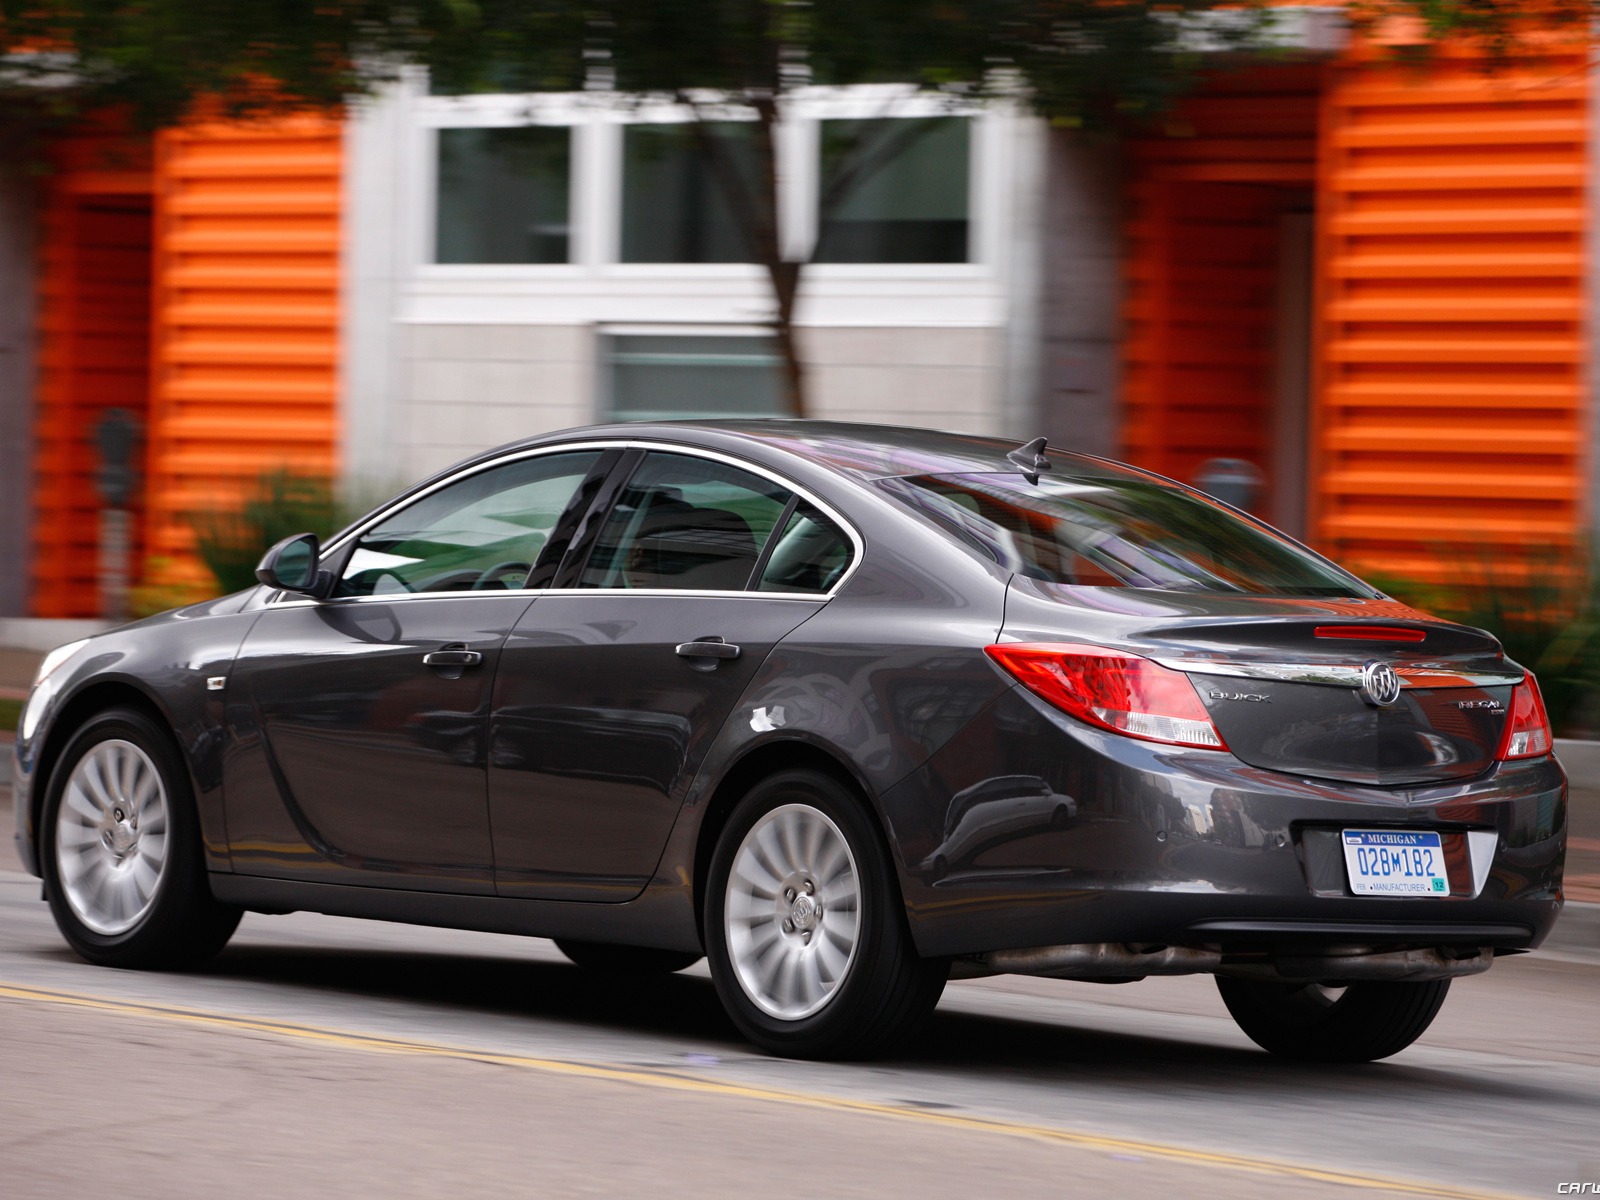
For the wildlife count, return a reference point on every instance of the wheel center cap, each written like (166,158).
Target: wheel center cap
(121,837)
(803,912)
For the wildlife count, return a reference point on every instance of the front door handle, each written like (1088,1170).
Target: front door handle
(456,659)
(708,647)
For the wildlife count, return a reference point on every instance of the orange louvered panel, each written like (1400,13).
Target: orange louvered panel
(1205,196)
(1452,211)
(246,354)
(94,347)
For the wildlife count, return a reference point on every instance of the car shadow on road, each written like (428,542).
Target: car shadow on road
(1051,1051)
(1046,1051)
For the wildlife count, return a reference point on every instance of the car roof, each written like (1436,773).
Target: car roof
(860,450)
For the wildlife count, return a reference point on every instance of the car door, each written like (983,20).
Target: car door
(362,719)
(611,690)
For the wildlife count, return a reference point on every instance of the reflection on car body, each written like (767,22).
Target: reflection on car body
(1003,809)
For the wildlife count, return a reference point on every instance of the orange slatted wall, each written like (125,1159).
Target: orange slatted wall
(1452,208)
(94,354)
(1204,196)
(246,351)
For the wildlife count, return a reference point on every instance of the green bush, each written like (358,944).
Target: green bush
(1545,609)
(232,540)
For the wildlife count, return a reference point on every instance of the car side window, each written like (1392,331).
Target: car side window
(686,523)
(810,555)
(480,533)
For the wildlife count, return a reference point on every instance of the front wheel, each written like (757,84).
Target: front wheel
(806,934)
(120,850)
(1361,1022)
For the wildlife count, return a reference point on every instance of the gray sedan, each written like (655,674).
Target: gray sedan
(848,710)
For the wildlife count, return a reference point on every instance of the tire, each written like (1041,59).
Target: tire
(626,960)
(1362,1023)
(827,971)
(120,850)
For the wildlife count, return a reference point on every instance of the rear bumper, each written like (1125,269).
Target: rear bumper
(1194,847)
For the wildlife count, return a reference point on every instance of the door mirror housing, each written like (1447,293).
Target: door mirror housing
(292,565)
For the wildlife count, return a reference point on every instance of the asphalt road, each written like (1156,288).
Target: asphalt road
(321,1056)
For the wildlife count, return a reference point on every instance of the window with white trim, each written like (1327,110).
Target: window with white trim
(676,180)
(661,376)
(502,195)
(902,189)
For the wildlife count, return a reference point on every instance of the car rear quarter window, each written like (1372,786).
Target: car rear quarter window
(1119,529)
(686,523)
(811,554)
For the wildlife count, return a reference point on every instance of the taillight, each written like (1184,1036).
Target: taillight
(1528,727)
(1112,689)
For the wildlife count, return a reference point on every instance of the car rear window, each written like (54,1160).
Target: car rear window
(1120,530)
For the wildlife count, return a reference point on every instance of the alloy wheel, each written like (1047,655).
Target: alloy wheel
(793,911)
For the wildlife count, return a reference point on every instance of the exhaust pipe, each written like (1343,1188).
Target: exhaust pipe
(1090,960)
(1395,966)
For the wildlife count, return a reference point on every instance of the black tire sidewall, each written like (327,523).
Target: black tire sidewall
(1369,1021)
(182,898)
(883,940)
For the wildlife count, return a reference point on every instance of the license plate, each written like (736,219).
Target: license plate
(1389,862)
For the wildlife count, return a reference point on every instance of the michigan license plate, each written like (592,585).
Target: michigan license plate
(1389,862)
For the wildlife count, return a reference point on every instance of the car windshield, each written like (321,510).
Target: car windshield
(1120,530)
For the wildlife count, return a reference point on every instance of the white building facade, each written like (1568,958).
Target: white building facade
(521,264)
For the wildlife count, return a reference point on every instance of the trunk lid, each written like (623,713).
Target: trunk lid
(1282,678)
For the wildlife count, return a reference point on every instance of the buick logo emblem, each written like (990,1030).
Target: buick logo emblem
(1380,686)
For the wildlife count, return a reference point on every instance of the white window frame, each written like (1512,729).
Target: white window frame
(595,197)
(603,408)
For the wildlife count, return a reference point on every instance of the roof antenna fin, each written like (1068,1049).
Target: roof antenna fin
(1030,459)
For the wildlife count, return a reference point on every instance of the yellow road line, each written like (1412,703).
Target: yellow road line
(711,1087)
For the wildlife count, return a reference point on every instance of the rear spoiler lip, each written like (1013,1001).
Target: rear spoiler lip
(1412,675)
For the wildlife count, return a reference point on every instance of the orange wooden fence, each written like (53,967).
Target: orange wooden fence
(1201,239)
(94,352)
(246,316)
(201,293)
(1451,401)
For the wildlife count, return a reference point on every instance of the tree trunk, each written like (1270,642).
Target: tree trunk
(783,272)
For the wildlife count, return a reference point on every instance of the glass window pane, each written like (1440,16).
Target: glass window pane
(686,523)
(483,532)
(503,195)
(674,208)
(908,199)
(810,555)
(660,376)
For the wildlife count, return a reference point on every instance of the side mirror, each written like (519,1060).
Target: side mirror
(292,565)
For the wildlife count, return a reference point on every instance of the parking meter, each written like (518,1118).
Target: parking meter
(117,436)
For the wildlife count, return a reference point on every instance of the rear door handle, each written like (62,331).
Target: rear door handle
(708,648)
(452,658)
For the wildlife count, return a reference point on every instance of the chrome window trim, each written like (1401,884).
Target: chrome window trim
(534,593)
(857,543)
(1418,675)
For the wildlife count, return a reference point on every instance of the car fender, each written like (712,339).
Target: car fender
(171,665)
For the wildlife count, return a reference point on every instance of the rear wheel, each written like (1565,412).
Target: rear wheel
(120,850)
(805,930)
(1358,1023)
(626,960)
